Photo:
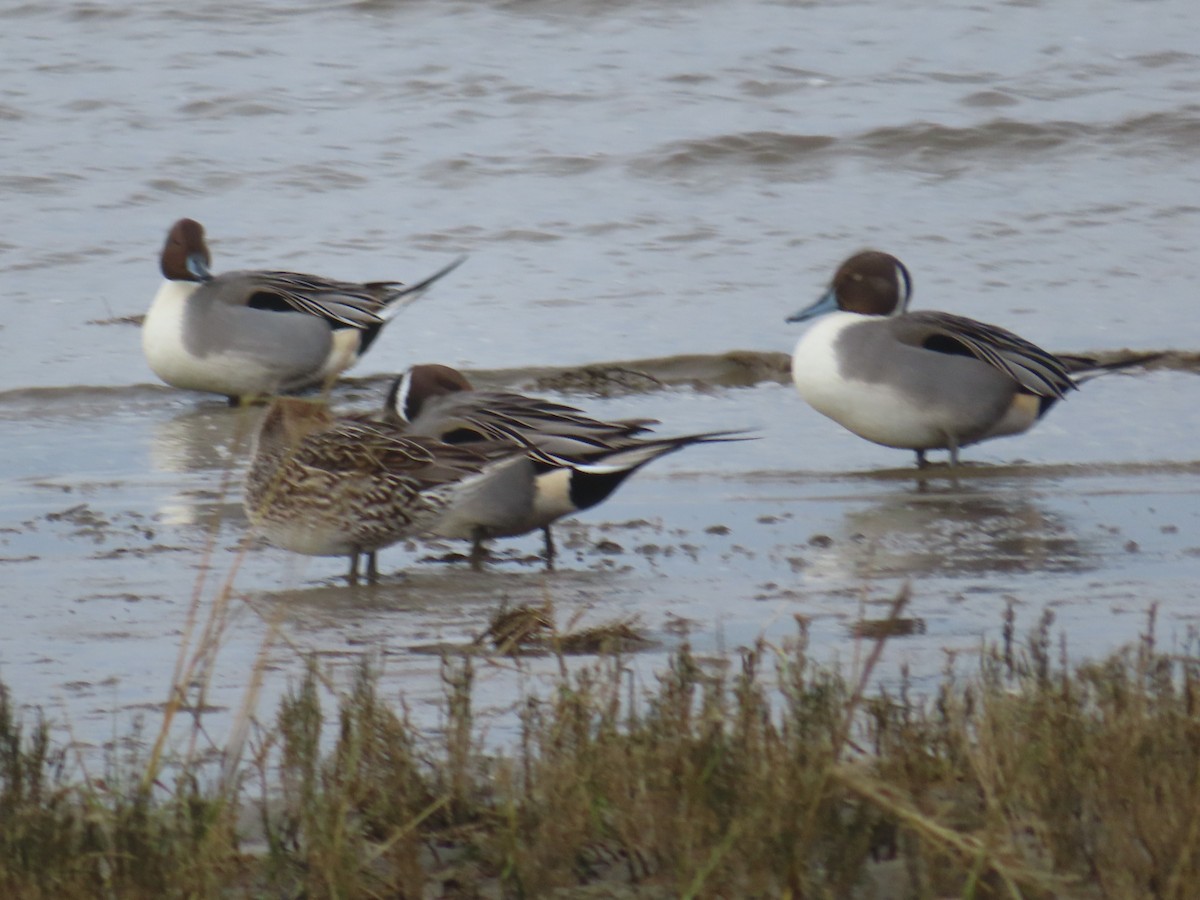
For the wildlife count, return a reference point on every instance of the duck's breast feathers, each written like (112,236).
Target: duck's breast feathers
(1033,369)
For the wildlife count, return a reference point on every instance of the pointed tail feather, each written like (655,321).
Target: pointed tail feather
(1085,368)
(633,456)
(405,295)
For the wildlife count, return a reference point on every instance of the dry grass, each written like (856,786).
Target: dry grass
(531,630)
(773,777)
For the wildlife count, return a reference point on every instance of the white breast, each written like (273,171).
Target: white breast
(221,373)
(872,410)
(162,332)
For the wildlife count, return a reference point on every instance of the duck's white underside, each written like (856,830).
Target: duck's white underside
(308,539)
(162,342)
(234,374)
(871,410)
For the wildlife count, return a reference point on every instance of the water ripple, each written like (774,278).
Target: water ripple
(233,105)
(756,148)
(926,143)
(51,184)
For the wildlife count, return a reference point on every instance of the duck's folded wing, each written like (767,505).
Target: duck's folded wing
(341,302)
(1034,369)
(344,303)
(553,427)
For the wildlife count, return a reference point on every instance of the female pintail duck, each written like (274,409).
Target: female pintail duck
(921,380)
(327,486)
(254,333)
(579,461)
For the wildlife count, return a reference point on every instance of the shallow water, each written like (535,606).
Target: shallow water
(629,181)
(128,496)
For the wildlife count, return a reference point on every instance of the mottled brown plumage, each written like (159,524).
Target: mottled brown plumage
(328,486)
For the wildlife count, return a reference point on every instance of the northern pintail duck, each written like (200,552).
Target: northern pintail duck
(921,380)
(328,486)
(578,461)
(254,333)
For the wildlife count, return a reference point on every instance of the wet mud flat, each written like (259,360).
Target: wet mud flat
(120,507)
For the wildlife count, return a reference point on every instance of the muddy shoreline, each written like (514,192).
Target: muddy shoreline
(697,371)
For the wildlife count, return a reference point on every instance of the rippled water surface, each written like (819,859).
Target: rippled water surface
(629,180)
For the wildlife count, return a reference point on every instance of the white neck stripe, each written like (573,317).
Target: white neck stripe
(903,288)
(400,404)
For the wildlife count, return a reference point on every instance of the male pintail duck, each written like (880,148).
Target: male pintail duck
(921,380)
(254,333)
(328,486)
(579,461)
